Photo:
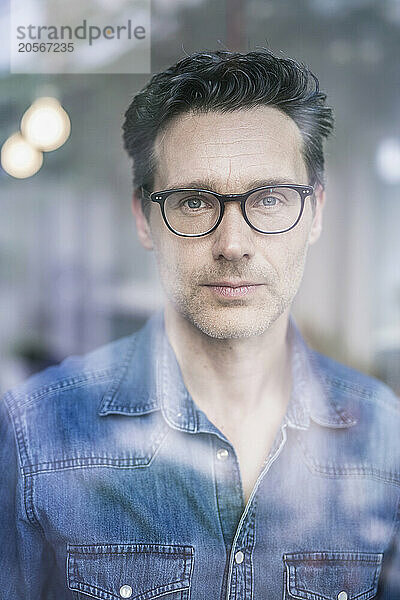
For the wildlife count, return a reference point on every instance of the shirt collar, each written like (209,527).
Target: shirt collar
(312,397)
(149,378)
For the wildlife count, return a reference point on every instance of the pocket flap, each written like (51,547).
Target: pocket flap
(146,570)
(332,575)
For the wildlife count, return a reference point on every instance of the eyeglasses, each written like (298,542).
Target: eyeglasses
(196,212)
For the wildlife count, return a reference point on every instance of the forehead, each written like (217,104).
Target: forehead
(229,148)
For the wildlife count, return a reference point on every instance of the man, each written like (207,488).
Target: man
(212,454)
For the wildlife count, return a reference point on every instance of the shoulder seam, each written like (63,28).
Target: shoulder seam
(371,387)
(65,383)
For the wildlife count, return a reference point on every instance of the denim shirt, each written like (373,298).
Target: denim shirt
(115,485)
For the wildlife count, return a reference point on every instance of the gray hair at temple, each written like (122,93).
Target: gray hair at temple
(227,81)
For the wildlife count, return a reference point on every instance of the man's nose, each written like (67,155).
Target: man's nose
(233,238)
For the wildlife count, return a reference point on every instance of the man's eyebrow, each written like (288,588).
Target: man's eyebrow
(212,185)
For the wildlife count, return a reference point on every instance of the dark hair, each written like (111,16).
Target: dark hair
(227,81)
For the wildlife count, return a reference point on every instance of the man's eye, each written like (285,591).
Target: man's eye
(268,201)
(194,203)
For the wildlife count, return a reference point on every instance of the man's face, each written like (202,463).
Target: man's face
(230,153)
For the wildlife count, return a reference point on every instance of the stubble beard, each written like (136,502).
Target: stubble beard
(243,320)
(232,320)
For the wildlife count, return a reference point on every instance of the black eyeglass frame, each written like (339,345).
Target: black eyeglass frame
(160,198)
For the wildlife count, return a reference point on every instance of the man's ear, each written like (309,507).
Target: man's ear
(316,226)
(142,225)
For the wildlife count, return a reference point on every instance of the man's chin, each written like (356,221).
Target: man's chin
(233,322)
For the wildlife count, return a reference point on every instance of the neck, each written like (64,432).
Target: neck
(234,377)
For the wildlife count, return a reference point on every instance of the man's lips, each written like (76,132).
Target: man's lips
(232,284)
(233,289)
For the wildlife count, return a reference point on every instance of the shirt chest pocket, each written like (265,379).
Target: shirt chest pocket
(135,571)
(332,575)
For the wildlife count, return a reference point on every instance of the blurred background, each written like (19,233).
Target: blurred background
(73,275)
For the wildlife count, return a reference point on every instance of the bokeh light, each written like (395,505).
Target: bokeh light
(46,124)
(388,160)
(19,158)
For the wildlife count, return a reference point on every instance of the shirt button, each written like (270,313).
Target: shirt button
(125,591)
(342,596)
(239,556)
(222,454)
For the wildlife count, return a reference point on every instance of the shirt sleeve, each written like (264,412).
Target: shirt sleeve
(25,556)
(389,585)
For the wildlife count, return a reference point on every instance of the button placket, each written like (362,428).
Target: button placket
(241,559)
(227,488)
